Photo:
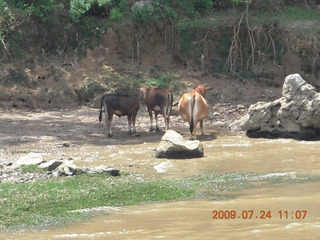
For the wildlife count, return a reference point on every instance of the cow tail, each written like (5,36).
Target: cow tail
(100,115)
(169,105)
(192,109)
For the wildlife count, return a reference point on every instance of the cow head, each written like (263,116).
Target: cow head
(202,89)
(143,92)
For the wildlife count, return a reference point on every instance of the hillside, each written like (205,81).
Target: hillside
(55,60)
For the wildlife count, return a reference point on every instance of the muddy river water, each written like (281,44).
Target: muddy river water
(272,211)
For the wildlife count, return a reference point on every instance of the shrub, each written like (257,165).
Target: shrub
(151,12)
(143,13)
(115,14)
(38,8)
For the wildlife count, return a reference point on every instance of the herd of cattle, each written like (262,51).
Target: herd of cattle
(192,107)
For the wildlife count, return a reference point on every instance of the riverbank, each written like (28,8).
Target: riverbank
(56,134)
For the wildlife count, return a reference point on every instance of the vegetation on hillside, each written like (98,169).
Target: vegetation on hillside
(236,36)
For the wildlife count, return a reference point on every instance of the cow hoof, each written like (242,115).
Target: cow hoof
(157,129)
(110,135)
(151,130)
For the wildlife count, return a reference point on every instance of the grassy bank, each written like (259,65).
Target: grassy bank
(50,202)
(45,204)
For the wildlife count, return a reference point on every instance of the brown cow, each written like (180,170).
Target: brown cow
(120,105)
(158,100)
(193,108)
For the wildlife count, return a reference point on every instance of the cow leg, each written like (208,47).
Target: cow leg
(129,123)
(151,121)
(166,120)
(108,120)
(133,118)
(156,118)
(194,131)
(194,134)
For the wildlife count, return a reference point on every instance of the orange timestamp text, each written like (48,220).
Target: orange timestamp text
(259,214)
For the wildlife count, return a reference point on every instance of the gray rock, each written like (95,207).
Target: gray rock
(29,159)
(103,170)
(173,145)
(51,165)
(295,115)
(67,168)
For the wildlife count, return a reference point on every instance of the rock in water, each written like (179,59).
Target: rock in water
(173,145)
(295,115)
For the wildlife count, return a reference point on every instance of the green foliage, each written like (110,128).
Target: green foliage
(165,81)
(149,12)
(33,168)
(295,13)
(79,7)
(186,24)
(194,7)
(38,8)
(116,14)
(202,5)
(7,20)
(142,14)
(161,81)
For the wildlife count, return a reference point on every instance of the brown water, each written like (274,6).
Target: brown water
(224,153)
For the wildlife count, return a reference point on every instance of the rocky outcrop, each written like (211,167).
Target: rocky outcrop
(173,145)
(54,168)
(295,115)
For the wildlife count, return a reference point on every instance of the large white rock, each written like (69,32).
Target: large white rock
(173,145)
(296,114)
(31,158)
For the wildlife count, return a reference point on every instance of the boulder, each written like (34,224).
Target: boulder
(31,158)
(173,145)
(103,170)
(67,168)
(51,165)
(294,115)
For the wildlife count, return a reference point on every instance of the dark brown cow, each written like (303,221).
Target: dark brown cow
(120,105)
(193,108)
(158,100)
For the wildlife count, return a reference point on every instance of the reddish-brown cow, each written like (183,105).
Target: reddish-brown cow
(193,108)
(158,100)
(120,105)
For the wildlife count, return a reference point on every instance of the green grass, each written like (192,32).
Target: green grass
(50,202)
(44,204)
(33,168)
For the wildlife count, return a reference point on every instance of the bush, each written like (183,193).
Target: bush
(143,13)
(115,14)
(151,12)
(79,7)
(7,23)
(38,8)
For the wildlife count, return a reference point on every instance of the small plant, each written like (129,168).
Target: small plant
(143,13)
(7,22)
(38,8)
(116,14)
(33,168)
(79,7)
(150,12)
